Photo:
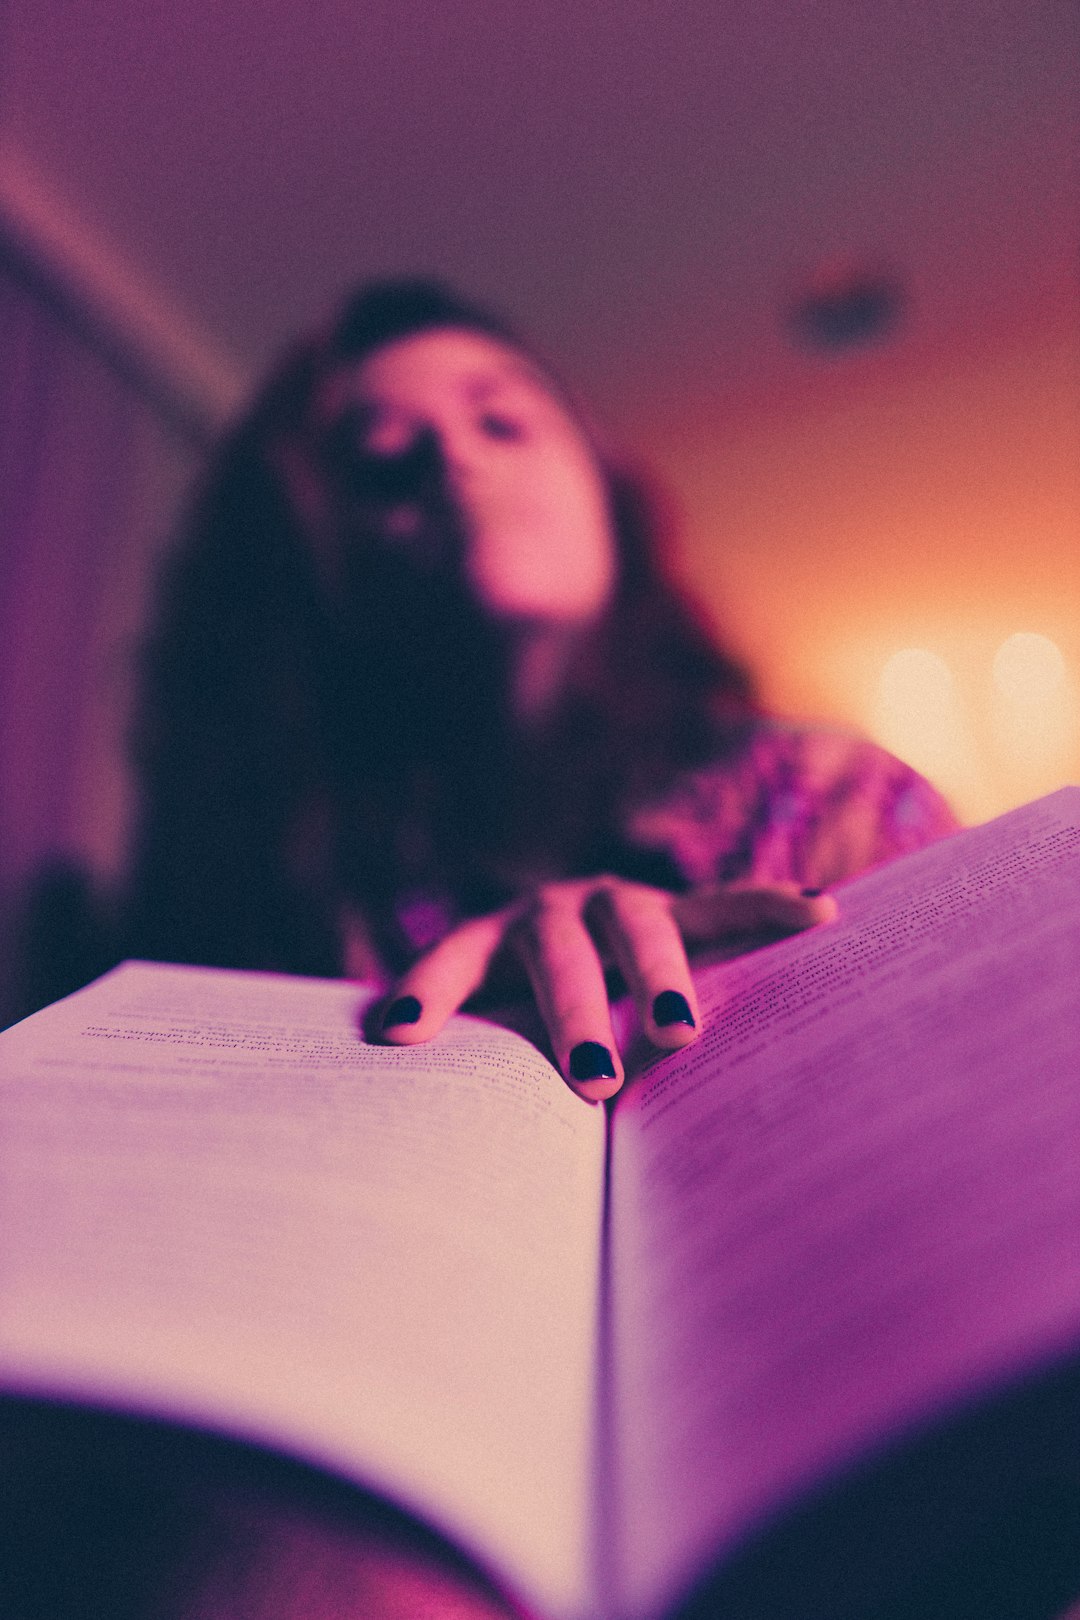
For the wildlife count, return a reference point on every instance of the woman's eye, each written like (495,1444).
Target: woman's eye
(494,425)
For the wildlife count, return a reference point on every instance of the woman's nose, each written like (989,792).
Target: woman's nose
(457,452)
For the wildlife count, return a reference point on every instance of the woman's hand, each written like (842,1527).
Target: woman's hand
(564,934)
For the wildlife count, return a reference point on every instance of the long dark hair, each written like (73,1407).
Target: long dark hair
(318,725)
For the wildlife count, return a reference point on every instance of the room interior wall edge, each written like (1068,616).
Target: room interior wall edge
(113,307)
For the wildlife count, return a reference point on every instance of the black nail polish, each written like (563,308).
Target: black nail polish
(591,1061)
(671,1008)
(405,1010)
(811,894)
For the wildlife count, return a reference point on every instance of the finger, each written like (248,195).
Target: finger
(637,926)
(560,957)
(705,916)
(437,984)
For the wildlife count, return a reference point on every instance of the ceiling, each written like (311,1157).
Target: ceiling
(640,182)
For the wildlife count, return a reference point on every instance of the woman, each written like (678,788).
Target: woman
(422,704)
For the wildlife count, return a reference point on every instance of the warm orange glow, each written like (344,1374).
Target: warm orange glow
(992,727)
(916,499)
(1034,719)
(1028,670)
(919,713)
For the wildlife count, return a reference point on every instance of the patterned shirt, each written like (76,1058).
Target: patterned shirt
(804,805)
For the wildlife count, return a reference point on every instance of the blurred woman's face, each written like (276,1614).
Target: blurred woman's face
(515,466)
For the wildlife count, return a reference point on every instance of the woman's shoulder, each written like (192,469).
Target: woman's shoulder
(804,803)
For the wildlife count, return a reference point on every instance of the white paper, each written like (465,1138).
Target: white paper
(857,1197)
(218,1202)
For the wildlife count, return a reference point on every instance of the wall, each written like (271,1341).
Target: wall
(91,472)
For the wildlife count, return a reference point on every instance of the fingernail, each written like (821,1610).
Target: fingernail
(811,894)
(671,1008)
(591,1061)
(405,1010)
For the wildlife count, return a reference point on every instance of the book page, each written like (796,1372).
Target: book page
(857,1197)
(219,1203)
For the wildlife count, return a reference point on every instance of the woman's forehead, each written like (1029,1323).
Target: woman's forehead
(442,362)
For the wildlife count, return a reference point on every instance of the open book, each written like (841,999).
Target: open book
(817,1275)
